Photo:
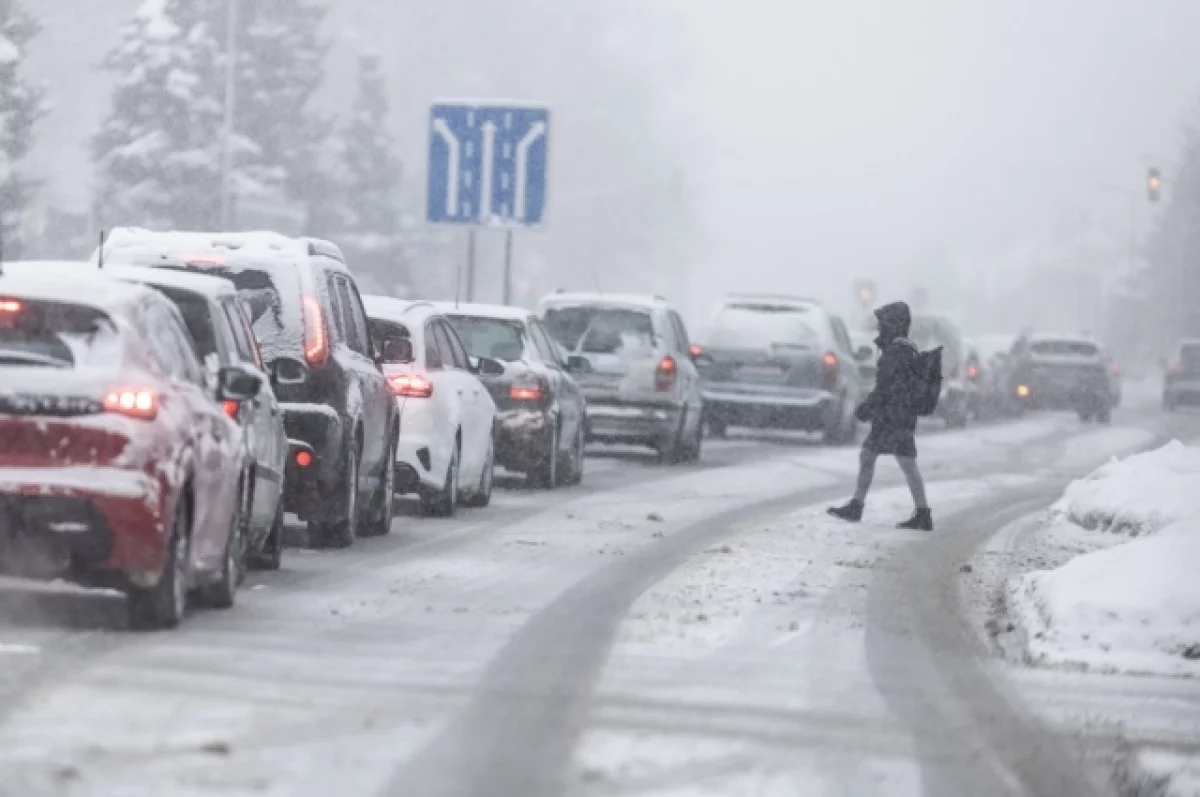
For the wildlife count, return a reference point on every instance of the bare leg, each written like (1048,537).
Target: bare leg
(916,485)
(866,474)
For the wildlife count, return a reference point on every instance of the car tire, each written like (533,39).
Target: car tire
(544,475)
(164,605)
(342,530)
(573,472)
(271,555)
(382,507)
(481,496)
(835,434)
(222,593)
(1104,415)
(696,446)
(444,502)
(672,452)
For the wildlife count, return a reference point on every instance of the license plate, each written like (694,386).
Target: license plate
(761,373)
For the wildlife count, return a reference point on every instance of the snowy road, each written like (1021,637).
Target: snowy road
(704,630)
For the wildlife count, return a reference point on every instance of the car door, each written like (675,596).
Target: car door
(266,438)
(378,406)
(445,400)
(565,391)
(216,440)
(352,354)
(467,389)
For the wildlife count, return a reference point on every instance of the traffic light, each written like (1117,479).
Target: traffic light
(1153,185)
(865,291)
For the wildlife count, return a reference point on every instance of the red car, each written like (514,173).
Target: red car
(118,466)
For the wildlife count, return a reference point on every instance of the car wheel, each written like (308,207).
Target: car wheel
(164,605)
(341,531)
(574,470)
(271,555)
(481,496)
(835,433)
(1104,415)
(443,502)
(222,593)
(545,473)
(672,451)
(382,503)
(696,446)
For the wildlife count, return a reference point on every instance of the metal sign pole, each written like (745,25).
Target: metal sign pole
(471,264)
(508,258)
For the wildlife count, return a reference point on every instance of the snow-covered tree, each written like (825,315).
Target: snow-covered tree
(158,153)
(370,185)
(21,105)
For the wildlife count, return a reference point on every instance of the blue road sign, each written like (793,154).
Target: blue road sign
(487,164)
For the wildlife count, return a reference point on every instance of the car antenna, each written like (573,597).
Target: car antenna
(100,251)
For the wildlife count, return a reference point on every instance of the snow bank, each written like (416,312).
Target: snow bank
(1137,495)
(1162,774)
(1131,607)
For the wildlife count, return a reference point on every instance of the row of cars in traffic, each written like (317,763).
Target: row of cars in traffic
(165,404)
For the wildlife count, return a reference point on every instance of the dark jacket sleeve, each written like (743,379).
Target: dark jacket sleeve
(890,403)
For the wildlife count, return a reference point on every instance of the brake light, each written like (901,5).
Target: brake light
(11,306)
(972,371)
(1116,369)
(132,402)
(526,393)
(1023,391)
(664,375)
(830,363)
(304,458)
(1175,369)
(316,339)
(231,408)
(410,386)
(695,350)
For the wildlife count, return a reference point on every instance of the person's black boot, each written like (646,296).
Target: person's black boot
(851,511)
(921,520)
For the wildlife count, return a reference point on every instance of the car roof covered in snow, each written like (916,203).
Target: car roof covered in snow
(1065,337)
(124,242)
(202,284)
(389,308)
(773,299)
(91,290)
(483,310)
(632,300)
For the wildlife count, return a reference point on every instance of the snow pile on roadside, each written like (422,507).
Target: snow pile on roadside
(1137,495)
(1132,607)
(1162,773)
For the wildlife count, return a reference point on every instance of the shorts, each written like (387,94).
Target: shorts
(891,441)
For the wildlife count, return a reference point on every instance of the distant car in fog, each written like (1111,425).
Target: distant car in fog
(541,417)
(867,354)
(1070,372)
(781,362)
(988,369)
(1181,383)
(929,332)
(640,380)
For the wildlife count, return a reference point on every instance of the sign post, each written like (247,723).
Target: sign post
(488,164)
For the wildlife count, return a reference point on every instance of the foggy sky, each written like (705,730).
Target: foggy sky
(819,141)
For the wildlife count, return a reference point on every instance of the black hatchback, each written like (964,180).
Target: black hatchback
(309,321)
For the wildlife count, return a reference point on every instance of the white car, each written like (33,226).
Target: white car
(444,449)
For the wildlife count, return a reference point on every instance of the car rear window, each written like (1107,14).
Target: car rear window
(197,318)
(497,338)
(1064,348)
(55,335)
(602,330)
(1189,357)
(763,325)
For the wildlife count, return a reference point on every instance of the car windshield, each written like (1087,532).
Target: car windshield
(497,338)
(763,325)
(1064,348)
(602,330)
(55,335)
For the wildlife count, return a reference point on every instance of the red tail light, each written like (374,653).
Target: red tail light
(231,408)
(10,306)
(526,393)
(972,371)
(304,459)
(1116,369)
(695,350)
(133,402)
(831,365)
(1175,369)
(664,375)
(316,338)
(410,386)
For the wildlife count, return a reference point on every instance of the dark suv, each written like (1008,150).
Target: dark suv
(1063,372)
(312,331)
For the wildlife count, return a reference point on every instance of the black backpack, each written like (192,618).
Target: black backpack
(927,381)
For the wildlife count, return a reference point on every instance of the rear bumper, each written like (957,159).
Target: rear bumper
(95,526)
(652,424)
(1182,393)
(805,409)
(318,429)
(1049,394)
(522,437)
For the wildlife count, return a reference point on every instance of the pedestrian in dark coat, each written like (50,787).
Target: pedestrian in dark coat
(891,411)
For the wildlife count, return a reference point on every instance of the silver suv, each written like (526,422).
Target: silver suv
(781,362)
(636,369)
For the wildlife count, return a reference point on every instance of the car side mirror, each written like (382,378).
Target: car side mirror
(288,371)
(486,366)
(577,364)
(235,383)
(864,354)
(396,351)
